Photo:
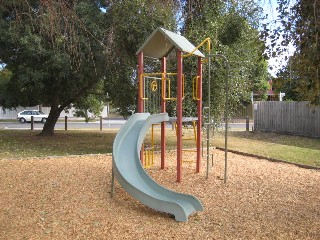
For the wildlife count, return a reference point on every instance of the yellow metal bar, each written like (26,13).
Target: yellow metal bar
(157,74)
(151,74)
(152,157)
(167,82)
(142,90)
(149,152)
(163,79)
(171,74)
(183,81)
(190,138)
(189,150)
(195,88)
(148,158)
(203,42)
(141,79)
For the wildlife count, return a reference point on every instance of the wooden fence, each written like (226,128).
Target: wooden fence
(297,118)
(243,112)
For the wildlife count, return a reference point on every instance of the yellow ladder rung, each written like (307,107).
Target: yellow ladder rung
(191,138)
(189,150)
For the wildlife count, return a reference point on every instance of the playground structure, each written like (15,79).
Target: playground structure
(129,140)
(159,44)
(155,89)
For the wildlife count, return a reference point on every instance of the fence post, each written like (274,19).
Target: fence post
(254,115)
(100,123)
(247,123)
(66,123)
(32,122)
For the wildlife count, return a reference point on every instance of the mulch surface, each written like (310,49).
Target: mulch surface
(69,198)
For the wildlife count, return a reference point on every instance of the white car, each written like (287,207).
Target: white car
(38,116)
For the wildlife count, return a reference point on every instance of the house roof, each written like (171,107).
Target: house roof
(161,42)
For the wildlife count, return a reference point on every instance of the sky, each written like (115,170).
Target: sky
(269,7)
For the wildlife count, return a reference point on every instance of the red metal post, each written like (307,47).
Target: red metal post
(179,115)
(140,83)
(199,113)
(163,109)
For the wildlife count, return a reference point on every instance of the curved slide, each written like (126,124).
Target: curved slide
(133,178)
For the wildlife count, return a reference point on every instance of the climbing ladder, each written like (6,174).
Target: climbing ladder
(148,160)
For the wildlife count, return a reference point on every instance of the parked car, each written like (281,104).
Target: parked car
(38,116)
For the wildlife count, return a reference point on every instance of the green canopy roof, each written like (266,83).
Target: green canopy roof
(161,42)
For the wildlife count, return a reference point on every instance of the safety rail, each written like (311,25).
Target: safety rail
(165,85)
(207,40)
(195,82)
(142,82)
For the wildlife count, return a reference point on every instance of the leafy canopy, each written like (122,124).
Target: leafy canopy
(59,51)
(233,29)
(128,24)
(55,51)
(299,24)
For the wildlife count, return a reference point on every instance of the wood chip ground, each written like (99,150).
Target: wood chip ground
(69,198)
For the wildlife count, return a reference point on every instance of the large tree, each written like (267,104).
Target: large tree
(55,51)
(233,27)
(129,23)
(299,25)
(5,76)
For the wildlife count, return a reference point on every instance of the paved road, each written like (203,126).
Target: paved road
(61,125)
(106,124)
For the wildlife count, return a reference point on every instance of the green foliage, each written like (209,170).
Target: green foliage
(89,107)
(5,76)
(59,51)
(300,26)
(232,27)
(128,25)
(55,51)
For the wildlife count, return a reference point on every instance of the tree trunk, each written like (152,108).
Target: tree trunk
(48,128)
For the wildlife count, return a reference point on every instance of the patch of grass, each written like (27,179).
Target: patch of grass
(20,144)
(289,148)
(23,144)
